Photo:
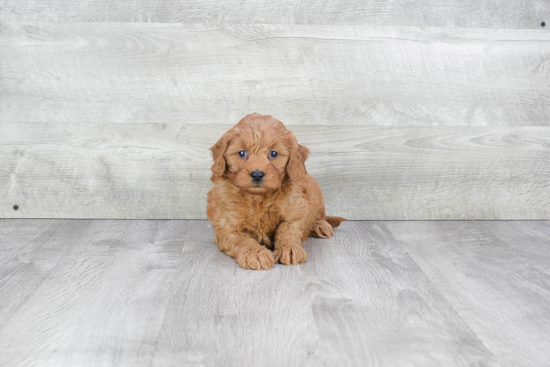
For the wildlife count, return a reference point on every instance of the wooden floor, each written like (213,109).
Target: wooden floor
(160,293)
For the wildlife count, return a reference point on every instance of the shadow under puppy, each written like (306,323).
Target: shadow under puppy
(263,199)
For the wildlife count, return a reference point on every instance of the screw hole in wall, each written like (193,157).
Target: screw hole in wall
(16,207)
(543,24)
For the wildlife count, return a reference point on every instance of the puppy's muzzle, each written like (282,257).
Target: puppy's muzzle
(257,175)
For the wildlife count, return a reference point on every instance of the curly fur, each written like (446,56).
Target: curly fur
(261,223)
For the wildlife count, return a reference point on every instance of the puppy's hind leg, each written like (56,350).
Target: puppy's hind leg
(321,229)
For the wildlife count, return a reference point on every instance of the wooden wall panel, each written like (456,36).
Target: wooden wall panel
(104,170)
(114,120)
(310,75)
(438,13)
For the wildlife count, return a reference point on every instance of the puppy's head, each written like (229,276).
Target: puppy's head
(258,154)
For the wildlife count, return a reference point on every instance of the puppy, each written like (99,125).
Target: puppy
(263,199)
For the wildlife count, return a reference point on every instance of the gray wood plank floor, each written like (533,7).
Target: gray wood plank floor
(159,293)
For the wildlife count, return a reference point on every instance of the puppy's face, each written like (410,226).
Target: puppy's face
(256,162)
(257,154)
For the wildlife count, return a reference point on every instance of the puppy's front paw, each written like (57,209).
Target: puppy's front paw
(290,255)
(256,258)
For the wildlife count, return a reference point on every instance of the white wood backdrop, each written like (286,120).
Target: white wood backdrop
(114,120)
(323,75)
(436,13)
(149,170)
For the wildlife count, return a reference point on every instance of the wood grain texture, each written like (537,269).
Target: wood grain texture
(29,251)
(162,171)
(528,241)
(451,13)
(221,314)
(373,305)
(160,293)
(308,75)
(490,279)
(102,303)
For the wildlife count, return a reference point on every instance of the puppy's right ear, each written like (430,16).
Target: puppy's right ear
(218,150)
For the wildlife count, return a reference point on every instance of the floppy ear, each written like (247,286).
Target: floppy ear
(218,150)
(295,167)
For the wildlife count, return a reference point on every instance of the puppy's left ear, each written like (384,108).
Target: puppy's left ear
(218,150)
(295,167)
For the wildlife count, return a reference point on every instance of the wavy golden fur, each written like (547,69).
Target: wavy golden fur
(264,205)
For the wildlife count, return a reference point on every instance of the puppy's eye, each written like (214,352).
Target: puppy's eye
(243,153)
(273,154)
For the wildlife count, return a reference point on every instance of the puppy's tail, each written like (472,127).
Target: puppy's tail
(334,221)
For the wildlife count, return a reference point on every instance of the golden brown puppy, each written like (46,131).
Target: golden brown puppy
(263,198)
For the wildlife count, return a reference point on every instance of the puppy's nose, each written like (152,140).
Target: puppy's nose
(257,175)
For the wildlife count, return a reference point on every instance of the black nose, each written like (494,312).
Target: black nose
(257,175)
